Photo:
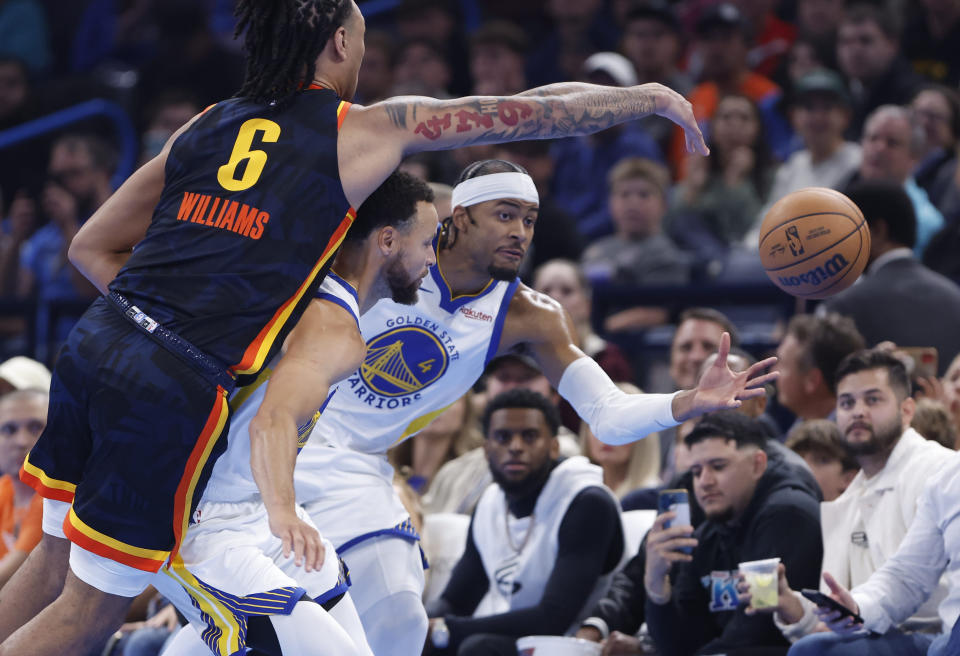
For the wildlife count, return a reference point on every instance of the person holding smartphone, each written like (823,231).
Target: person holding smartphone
(927,555)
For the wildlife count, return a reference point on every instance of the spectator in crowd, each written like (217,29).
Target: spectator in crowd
(807,359)
(497,64)
(945,390)
(820,443)
(22,164)
(911,577)
(696,338)
(626,467)
(168,113)
(866,524)
(722,194)
(21,225)
(580,27)
(892,144)
(929,41)
(820,114)
(460,482)
(556,235)
(754,510)
(421,70)
(24,35)
(937,109)
(437,21)
(899,299)
(584,164)
(21,373)
(769,35)
(653,42)
(375,81)
(543,541)
(638,253)
(932,420)
(23,416)
(564,282)
(451,434)
(868,46)
(721,43)
(817,22)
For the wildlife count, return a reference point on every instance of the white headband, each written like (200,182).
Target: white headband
(494,187)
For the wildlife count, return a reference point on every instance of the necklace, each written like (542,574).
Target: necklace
(506,523)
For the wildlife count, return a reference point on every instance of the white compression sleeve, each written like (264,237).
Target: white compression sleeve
(615,417)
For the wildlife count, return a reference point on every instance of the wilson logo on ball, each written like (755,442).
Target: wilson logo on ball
(817,275)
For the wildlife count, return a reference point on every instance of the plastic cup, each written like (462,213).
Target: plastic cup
(761,576)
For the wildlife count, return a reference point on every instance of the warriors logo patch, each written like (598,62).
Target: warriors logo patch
(403,361)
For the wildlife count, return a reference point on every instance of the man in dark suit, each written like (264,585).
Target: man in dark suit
(899,299)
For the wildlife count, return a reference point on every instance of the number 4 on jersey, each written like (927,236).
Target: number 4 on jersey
(242,152)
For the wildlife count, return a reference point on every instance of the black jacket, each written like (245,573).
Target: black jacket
(782,519)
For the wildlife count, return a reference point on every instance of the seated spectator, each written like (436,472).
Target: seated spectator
(868,46)
(451,434)
(21,373)
(638,253)
(898,299)
(817,23)
(820,443)
(911,577)
(584,164)
(937,109)
(421,70)
(930,40)
(167,114)
(23,416)
(722,194)
(753,511)
(543,541)
(653,42)
(866,524)
(497,66)
(557,235)
(437,21)
(626,467)
(770,36)
(580,27)
(375,81)
(819,113)
(722,46)
(807,358)
(892,142)
(460,482)
(933,421)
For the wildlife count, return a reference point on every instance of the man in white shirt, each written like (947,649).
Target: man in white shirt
(865,525)
(907,580)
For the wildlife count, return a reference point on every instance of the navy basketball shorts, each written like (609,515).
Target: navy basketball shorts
(132,433)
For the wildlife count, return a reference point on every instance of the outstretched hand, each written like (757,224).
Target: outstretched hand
(722,389)
(678,109)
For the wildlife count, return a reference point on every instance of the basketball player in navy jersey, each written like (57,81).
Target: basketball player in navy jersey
(235,223)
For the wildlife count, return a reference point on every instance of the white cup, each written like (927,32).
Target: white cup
(556,646)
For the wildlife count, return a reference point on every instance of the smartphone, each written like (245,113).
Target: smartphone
(924,360)
(823,601)
(677,501)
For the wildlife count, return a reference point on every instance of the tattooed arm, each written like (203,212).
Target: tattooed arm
(374,139)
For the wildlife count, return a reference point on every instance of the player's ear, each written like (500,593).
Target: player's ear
(461,220)
(340,43)
(387,240)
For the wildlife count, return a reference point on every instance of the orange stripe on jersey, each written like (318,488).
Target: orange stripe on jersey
(342,110)
(148,560)
(48,488)
(257,351)
(211,432)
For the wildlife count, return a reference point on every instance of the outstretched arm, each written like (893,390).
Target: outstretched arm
(374,139)
(324,348)
(539,323)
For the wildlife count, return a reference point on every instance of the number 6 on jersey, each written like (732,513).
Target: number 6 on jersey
(255,159)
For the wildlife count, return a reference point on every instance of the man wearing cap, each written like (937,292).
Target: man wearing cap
(584,162)
(424,357)
(722,45)
(820,113)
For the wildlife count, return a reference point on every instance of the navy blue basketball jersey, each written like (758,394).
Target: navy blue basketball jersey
(251,213)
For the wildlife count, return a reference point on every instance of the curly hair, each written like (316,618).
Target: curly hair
(282,40)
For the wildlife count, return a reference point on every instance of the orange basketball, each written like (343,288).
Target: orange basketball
(814,243)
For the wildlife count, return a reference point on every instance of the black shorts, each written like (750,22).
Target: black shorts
(133,430)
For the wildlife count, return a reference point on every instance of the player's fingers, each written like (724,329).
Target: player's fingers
(287,544)
(748,394)
(759,367)
(298,548)
(760,381)
(723,350)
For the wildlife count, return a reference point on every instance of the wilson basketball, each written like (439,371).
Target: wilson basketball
(814,243)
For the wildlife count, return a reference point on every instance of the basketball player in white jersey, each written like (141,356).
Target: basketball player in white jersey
(251,563)
(422,358)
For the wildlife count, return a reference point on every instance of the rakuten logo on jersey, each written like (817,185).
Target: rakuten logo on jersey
(470,313)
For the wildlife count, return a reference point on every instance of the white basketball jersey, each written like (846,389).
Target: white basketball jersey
(420,359)
(518,555)
(231,479)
